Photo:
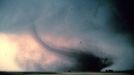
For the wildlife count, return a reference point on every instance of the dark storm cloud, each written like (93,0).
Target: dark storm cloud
(56,15)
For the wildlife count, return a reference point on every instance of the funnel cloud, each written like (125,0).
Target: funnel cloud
(65,36)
